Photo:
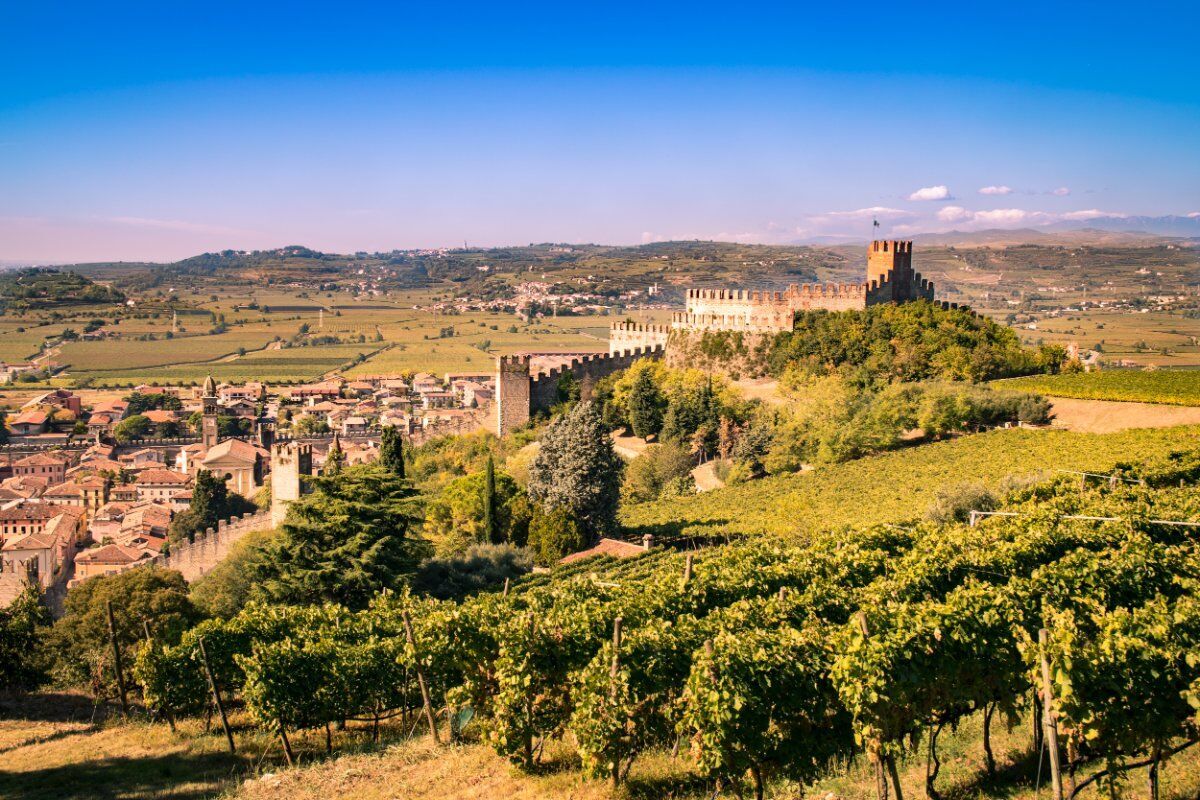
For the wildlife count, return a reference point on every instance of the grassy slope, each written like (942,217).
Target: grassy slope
(1176,387)
(895,486)
(60,758)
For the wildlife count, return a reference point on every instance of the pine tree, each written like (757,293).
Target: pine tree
(391,450)
(645,406)
(490,528)
(345,542)
(335,459)
(577,469)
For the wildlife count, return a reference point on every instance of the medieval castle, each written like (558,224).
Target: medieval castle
(528,384)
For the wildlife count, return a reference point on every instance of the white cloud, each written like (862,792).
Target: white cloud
(991,190)
(931,193)
(1061,191)
(1194,215)
(954,214)
(1091,213)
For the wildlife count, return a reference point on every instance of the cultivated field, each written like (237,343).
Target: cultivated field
(1175,387)
(893,486)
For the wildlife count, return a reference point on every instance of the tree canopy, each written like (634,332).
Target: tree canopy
(577,469)
(345,542)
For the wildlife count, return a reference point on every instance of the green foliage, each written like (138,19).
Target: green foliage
(391,450)
(345,542)
(659,472)
(481,567)
(457,517)
(230,585)
(576,469)
(646,405)
(132,427)
(1174,386)
(554,532)
(211,502)
(904,342)
(140,403)
(79,641)
(22,625)
(47,288)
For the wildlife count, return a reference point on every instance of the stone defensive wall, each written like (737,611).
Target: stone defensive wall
(521,393)
(196,559)
(624,336)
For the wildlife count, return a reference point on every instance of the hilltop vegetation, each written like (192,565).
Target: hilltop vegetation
(46,288)
(907,342)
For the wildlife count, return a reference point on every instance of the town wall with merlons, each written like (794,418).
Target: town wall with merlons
(521,393)
(196,558)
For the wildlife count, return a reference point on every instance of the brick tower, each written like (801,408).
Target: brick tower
(889,263)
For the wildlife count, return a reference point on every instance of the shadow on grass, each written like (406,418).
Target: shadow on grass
(179,776)
(1012,776)
(52,707)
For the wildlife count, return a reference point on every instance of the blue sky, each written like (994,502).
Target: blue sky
(157,130)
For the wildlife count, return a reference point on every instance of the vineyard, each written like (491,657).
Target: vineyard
(763,662)
(894,486)
(1180,387)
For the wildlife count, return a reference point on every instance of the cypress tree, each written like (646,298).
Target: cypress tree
(391,451)
(490,528)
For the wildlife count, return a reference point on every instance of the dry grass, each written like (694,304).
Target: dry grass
(52,748)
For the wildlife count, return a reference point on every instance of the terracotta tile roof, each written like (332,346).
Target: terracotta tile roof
(110,554)
(609,547)
(161,476)
(235,448)
(41,460)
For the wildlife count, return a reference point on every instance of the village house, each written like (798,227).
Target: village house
(44,553)
(160,484)
(106,560)
(50,466)
(29,423)
(251,393)
(59,398)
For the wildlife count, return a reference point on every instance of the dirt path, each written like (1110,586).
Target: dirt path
(1109,416)
(706,478)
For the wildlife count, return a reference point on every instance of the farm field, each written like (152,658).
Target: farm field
(1153,338)
(394,335)
(1175,387)
(894,486)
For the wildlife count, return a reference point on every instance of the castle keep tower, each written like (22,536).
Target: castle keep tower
(289,461)
(889,266)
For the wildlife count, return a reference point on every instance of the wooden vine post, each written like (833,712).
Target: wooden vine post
(881,779)
(1048,720)
(506,582)
(613,671)
(287,745)
(116,651)
(687,570)
(425,701)
(216,693)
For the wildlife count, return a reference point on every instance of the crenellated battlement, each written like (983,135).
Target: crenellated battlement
(196,558)
(521,392)
(890,279)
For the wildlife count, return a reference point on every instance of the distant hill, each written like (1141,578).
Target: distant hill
(1003,237)
(1171,225)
